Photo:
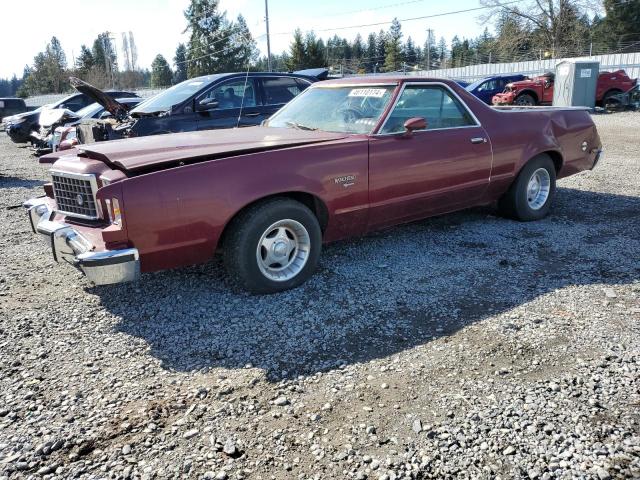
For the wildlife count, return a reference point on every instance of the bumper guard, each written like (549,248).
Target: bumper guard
(67,244)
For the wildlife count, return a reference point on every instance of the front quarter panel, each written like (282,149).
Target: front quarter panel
(175,217)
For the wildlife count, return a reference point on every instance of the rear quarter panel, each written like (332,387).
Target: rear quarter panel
(175,217)
(518,135)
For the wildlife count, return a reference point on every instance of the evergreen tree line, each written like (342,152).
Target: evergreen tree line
(216,44)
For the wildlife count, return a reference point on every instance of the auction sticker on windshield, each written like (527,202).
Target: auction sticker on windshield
(368,92)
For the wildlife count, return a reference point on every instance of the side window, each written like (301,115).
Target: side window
(280,90)
(76,103)
(433,103)
(230,94)
(487,86)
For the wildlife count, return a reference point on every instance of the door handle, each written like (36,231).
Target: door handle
(254,114)
(477,140)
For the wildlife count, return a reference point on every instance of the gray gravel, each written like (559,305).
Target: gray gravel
(465,346)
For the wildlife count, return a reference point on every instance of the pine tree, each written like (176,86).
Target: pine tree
(180,62)
(56,66)
(297,54)
(393,47)
(371,52)
(314,55)
(442,52)
(216,44)
(357,52)
(410,54)
(381,50)
(85,62)
(161,73)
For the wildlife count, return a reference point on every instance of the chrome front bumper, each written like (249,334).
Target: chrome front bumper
(67,244)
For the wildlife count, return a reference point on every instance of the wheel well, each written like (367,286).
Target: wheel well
(615,91)
(530,93)
(612,90)
(556,157)
(315,204)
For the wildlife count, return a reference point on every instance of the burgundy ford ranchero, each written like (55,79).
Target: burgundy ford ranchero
(344,158)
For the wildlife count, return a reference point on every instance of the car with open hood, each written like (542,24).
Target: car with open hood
(20,127)
(344,158)
(62,135)
(204,103)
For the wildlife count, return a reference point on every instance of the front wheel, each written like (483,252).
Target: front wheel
(273,246)
(526,100)
(531,194)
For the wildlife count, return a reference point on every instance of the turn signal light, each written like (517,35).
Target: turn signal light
(113,209)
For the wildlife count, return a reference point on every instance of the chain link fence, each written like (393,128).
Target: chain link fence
(630,62)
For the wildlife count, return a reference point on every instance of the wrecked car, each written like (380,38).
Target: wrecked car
(20,127)
(539,90)
(344,158)
(64,137)
(205,103)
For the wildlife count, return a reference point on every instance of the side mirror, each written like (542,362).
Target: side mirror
(207,104)
(413,124)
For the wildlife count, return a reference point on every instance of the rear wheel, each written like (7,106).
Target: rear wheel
(526,100)
(273,246)
(531,194)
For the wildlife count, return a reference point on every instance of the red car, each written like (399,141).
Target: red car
(344,158)
(539,90)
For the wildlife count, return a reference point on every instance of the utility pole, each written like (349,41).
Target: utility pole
(266,12)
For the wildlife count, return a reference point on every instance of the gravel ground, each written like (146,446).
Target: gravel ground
(465,346)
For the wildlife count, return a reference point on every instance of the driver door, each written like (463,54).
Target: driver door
(443,168)
(229,100)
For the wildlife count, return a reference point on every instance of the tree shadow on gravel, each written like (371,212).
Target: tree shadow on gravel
(17,182)
(384,293)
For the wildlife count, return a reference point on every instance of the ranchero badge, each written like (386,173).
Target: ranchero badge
(345,181)
(80,199)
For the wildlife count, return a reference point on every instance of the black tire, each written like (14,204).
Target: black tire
(526,100)
(515,204)
(246,231)
(610,103)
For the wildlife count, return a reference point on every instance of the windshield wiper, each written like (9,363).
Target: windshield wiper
(299,126)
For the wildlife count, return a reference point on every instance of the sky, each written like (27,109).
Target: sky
(158,25)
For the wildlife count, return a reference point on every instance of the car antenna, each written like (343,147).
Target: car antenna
(244,93)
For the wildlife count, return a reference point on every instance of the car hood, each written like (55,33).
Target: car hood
(32,114)
(111,105)
(146,153)
(50,116)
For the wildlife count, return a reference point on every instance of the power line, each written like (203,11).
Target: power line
(372,9)
(423,17)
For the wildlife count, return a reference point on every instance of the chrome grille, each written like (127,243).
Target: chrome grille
(75,194)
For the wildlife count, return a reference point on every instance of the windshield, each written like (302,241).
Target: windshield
(89,110)
(170,97)
(344,109)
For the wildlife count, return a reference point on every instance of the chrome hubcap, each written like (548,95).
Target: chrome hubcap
(283,250)
(538,189)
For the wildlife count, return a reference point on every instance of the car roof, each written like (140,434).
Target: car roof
(218,76)
(12,98)
(386,80)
